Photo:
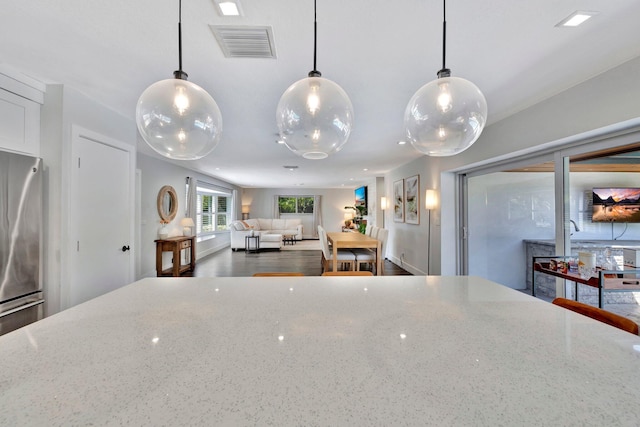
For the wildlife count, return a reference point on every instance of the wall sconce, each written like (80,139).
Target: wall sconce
(245,212)
(187,224)
(430,202)
(384,205)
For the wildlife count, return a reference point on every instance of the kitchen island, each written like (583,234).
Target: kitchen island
(383,350)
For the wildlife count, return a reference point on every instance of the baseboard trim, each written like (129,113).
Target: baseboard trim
(410,268)
(212,250)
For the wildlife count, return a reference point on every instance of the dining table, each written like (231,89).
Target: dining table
(339,350)
(355,240)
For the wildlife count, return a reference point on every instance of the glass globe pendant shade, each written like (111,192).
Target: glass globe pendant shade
(314,117)
(179,119)
(445,116)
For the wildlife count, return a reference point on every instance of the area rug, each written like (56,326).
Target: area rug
(303,245)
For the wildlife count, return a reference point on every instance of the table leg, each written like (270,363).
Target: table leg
(335,257)
(192,252)
(176,261)
(379,259)
(159,259)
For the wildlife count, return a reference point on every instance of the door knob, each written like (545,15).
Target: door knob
(125,248)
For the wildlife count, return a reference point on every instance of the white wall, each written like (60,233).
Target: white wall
(333,202)
(62,108)
(409,243)
(506,208)
(155,174)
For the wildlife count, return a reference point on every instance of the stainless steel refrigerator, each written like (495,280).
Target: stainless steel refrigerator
(21,295)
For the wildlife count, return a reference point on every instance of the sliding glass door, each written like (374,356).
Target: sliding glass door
(542,207)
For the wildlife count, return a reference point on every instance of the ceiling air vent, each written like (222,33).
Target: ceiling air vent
(243,41)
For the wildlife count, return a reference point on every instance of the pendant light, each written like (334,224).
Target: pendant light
(177,118)
(314,114)
(447,115)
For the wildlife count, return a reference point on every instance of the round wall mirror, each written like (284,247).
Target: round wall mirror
(167,203)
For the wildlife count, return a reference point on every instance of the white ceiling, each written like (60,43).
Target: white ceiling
(379,52)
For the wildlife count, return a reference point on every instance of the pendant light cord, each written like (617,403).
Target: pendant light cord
(315,72)
(179,74)
(444,72)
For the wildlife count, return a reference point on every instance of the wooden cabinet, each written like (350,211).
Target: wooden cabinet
(175,245)
(20,114)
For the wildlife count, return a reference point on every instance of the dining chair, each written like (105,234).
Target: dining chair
(347,273)
(344,256)
(598,314)
(368,229)
(277,274)
(368,256)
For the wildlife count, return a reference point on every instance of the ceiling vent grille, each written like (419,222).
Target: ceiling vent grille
(245,41)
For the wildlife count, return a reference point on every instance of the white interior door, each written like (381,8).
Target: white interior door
(102,213)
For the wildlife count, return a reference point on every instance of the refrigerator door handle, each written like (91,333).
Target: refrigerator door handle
(22,307)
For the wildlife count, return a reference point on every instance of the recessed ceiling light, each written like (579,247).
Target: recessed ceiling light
(576,18)
(402,142)
(228,7)
(365,169)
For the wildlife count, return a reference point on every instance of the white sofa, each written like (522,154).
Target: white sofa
(264,227)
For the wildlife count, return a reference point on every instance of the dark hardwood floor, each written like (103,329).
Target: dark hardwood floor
(227,263)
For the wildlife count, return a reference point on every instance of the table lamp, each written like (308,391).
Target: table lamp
(186,224)
(347,220)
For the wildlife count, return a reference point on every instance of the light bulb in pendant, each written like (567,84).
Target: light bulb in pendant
(444,98)
(313,101)
(442,133)
(181,101)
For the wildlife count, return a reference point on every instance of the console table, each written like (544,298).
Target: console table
(607,280)
(175,245)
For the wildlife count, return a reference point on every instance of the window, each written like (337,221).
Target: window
(295,204)
(213,211)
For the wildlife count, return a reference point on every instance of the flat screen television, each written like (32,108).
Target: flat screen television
(361,197)
(616,204)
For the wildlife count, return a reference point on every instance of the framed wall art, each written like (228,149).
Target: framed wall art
(412,200)
(398,201)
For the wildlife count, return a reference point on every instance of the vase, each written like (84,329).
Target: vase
(163,232)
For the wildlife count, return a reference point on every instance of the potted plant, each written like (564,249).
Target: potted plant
(360,211)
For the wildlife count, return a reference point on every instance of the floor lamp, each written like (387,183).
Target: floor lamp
(430,202)
(383,206)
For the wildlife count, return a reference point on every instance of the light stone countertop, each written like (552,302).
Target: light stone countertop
(394,350)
